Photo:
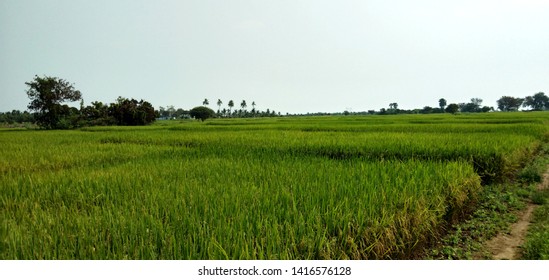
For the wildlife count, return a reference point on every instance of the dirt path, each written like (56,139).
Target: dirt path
(506,246)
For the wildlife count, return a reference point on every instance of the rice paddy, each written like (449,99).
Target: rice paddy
(353,187)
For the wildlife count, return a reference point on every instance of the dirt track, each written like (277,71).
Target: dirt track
(506,246)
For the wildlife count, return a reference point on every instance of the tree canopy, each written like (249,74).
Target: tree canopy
(509,103)
(202,113)
(47,95)
(538,101)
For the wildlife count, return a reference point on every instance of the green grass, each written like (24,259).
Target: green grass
(282,188)
(536,246)
(495,211)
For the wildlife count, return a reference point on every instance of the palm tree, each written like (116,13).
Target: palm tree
(243,105)
(231,105)
(253,108)
(205,102)
(219,102)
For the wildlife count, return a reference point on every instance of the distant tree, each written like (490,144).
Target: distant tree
(243,105)
(206,102)
(97,114)
(162,112)
(508,103)
(426,110)
(231,105)
(171,111)
(538,102)
(452,108)
(16,116)
(219,103)
(180,113)
(476,101)
(393,106)
(253,109)
(202,113)
(442,103)
(47,94)
(471,107)
(486,109)
(132,112)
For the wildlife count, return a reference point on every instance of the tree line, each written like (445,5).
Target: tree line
(204,112)
(536,102)
(47,95)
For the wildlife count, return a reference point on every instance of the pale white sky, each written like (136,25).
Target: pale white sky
(288,55)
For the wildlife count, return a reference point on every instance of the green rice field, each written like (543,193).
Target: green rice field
(335,187)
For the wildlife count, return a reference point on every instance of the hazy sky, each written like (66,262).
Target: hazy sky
(288,55)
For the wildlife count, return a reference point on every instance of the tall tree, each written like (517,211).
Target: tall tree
(231,105)
(253,108)
(47,94)
(206,102)
(538,102)
(219,103)
(243,105)
(442,103)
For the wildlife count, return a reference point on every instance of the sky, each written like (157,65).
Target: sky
(291,56)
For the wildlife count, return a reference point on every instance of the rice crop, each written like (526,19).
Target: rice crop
(284,188)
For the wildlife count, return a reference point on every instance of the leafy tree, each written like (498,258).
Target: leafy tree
(486,109)
(476,101)
(202,113)
(180,113)
(508,103)
(162,112)
(471,107)
(538,102)
(452,108)
(442,103)
(47,94)
(132,112)
(97,114)
(171,111)
(426,110)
